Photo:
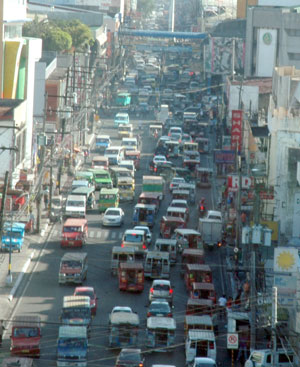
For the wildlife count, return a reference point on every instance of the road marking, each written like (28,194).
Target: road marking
(113,235)
(91,234)
(98,234)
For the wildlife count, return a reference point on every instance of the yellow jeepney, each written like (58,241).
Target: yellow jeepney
(126,188)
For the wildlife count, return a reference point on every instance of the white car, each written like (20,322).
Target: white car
(176,181)
(159,159)
(119,309)
(147,233)
(113,217)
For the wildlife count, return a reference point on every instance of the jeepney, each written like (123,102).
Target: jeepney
(26,336)
(99,161)
(178,212)
(124,327)
(72,345)
(157,265)
(150,198)
(125,131)
(173,148)
(129,143)
(188,238)
(135,156)
(169,224)
(144,215)
(197,273)
(126,189)
(119,172)
(160,333)
(167,245)
(76,311)
(74,233)
(131,276)
(191,256)
(129,164)
(202,322)
(13,236)
(155,131)
(102,178)
(204,177)
(191,187)
(180,194)
(121,254)
(203,290)
(73,268)
(89,193)
(102,142)
(189,147)
(199,307)
(108,198)
(85,175)
(200,343)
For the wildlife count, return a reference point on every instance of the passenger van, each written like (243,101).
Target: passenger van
(129,143)
(157,265)
(264,358)
(121,118)
(115,154)
(73,268)
(75,206)
(124,327)
(200,343)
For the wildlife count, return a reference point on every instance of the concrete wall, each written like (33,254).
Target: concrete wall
(249,96)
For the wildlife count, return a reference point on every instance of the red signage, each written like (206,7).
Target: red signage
(233,182)
(237,129)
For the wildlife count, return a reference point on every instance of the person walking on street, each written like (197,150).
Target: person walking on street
(243,350)
(222,301)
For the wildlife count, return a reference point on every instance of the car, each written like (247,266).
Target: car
(176,181)
(204,362)
(161,288)
(90,292)
(176,137)
(130,358)
(179,203)
(113,217)
(186,138)
(147,233)
(159,308)
(119,309)
(159,159)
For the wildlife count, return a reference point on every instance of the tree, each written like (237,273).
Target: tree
(145,6)
(80,33)
(57,40)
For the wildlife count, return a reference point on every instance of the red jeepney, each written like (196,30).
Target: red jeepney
(203,290)
(197,273)
(131,276)
(74,233)
(199,307)
(150,198)
(26,336)
(169,224)
(191,256)
(135,156)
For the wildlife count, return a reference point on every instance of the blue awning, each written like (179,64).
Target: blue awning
(162,34)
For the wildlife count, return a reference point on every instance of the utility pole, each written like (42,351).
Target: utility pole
(274,322)
(3,201)
(253,300)
(51,174)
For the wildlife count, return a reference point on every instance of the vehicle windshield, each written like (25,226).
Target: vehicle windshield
(121,118)
(101,175)
(71,264)
(76,312)
(25,332)
(124,174)
(124,187)
(124,128)
(113,212)
(72,343)
(161,287)
(134,357)
(71,229)
(12,234)
(112,151)
(75,203)
(85,293)
(204,364)
(102,140)
(107,196)
(133,238)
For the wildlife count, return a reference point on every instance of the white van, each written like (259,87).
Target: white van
(129,143)
(115,155)
(129,165)
(264,358)
(200,343)
(75,206)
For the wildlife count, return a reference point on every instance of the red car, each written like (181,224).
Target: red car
(90,292)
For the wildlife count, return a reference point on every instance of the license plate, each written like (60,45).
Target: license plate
(25,351)
(71,242)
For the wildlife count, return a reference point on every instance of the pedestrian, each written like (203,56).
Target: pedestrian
(32,220)
(2,328)
(222,301)
(46,200)
(243,348)
(229,303)
(243,218)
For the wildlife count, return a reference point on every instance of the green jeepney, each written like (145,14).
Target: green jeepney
(102,178)
(89,193)
(108,198)
(85,175)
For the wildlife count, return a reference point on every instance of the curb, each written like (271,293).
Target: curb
(43,231)
(20,277)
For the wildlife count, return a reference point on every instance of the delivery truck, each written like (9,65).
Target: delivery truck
(211,229)
(154,184)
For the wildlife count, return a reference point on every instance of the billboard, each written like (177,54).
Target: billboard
(266,52)
(224,156)
(285,259)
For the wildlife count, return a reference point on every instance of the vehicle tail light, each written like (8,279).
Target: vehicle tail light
(148,314)
(201,207)
(141,364)
(169,315)
(219,244)
(122,244)
(179,140)
(144,247)
(151,290)
(155,169)
(171,291)
(211,345)
(172,185)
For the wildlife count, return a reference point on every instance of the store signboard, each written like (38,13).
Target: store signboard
(224,156)
(237,130)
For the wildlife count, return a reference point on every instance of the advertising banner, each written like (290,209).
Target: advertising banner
(237,130)
(224,156)
(233,182)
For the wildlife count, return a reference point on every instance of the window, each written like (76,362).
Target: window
(285,358)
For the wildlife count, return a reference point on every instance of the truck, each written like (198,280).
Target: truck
(13,236)
(154,184)
(211,229)
(72,346)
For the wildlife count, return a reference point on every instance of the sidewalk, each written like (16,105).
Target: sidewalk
(24,262)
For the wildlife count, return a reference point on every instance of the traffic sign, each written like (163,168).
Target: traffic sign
(232,341)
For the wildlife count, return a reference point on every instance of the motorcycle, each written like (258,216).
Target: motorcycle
(202,211)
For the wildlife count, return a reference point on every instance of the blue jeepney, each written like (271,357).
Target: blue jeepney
(102,142)
(13,236)
(144,215)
